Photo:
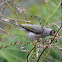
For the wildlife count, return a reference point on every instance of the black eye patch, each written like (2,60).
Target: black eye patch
(51,32)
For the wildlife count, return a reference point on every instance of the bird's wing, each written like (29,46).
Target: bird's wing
(32,28)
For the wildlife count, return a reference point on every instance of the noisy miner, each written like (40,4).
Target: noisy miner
(35,31)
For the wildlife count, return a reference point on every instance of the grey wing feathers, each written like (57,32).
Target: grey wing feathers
(25,27)
(33,28)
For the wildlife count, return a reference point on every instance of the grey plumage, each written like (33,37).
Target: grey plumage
(35,31)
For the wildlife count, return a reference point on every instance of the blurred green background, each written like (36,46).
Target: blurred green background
(42,10)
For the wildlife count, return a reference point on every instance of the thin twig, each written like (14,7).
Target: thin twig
(30,53)
(52,13)
(12,9)
(7,6)
(13,19)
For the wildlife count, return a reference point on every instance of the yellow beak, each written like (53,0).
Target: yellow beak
(57,35)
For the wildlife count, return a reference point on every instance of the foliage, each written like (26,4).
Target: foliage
(15,46)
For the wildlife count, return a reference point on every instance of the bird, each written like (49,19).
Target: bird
(35,32)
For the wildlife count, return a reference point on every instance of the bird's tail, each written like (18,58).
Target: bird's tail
(14,23)
(10,21)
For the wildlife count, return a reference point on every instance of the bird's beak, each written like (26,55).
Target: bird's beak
(57,35)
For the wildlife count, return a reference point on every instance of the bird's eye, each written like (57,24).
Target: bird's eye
(52,32)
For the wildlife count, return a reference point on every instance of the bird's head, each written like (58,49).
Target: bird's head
(53,33)
(50,32)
